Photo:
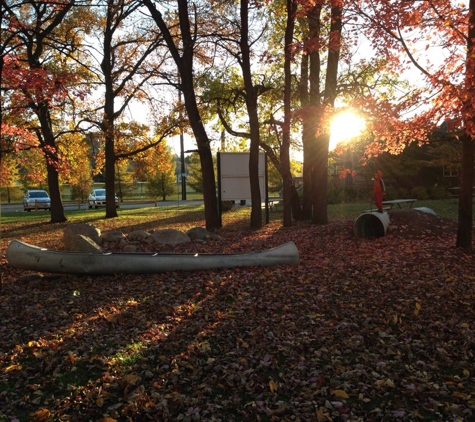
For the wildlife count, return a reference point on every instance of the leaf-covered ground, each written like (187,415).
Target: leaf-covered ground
(360,330)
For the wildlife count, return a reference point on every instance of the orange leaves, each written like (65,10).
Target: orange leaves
(430,40)
(322,415)
(100,401)
(385,383)
(14,367)
(113,316)
(40,415)
(131,378)
(113,319)
(342,394)
(413,18)
(460,395)
(342,174)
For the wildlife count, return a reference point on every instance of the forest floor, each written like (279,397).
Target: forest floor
(360,330)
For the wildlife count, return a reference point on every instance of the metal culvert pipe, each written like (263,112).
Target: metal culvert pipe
(371,224)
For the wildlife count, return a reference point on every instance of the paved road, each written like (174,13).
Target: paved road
(132,204)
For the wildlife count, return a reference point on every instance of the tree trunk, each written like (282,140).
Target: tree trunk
(296,203)
(251,103)
(310,98)
(320,169)
(184,65)
(285,147)
(111,210)
(50,150)
(308,137)
(204,150)
(465,209)
(320,180)
(209,182)
(57,210)
(294,197)
(107,124)
(310,152)
(465,216)
(256,208)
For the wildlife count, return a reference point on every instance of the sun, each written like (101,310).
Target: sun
(345,126)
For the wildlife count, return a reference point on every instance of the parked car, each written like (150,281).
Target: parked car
(97,199)
(36,200)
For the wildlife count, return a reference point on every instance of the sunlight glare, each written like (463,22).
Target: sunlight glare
(345,127)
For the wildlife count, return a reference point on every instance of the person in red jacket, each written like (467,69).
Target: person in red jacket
(378,190)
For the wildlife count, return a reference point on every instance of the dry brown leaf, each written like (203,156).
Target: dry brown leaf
(340,393)
(40,415)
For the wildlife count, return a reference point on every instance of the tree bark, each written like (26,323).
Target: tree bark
(107,124)
(465,210)
(320,180)
(251,103)
(309,140)
(310,98)
(465,206)
(184,63)
(51,159)
(320,167)
(287,191)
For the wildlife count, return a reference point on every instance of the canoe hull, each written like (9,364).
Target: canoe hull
(29,257)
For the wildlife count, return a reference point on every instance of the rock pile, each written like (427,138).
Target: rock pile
(84,237)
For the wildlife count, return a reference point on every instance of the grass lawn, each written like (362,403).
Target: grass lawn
(447,208)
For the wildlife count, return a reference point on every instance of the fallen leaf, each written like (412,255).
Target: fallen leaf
(131,378)
(12,368)
(40,415)
(273,386)
(340,393)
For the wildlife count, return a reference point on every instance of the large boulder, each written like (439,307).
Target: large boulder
(199,233)
(139,236)
(130,248)
(226,205)
(81,243)
(170,237)
(113,236)
(85,229)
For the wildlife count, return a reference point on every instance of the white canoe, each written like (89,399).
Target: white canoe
(29,257)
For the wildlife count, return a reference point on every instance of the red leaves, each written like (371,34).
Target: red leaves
(33,84)
(343,173)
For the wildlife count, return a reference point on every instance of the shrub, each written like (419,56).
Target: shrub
(420,192)
(391,193)
(79,192)
(11,194)
(438,192)
(344,194)
(396,193)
